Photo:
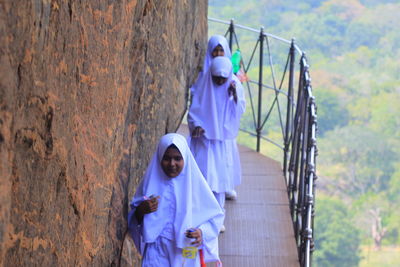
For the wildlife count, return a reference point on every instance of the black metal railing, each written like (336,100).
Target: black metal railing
(296,122)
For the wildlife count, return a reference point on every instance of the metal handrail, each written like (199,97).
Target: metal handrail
(298,130)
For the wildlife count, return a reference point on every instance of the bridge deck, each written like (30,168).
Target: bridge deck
(258,225)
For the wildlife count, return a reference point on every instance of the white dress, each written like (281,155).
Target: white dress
(219,162)
(185,202)
(219,115)
(163,251)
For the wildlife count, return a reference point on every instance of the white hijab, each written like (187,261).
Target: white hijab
(214,41)
(212,108)
(195,203)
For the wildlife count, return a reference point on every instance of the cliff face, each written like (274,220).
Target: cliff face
(86,90)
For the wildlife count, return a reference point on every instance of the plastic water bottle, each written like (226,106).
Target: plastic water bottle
(236,61)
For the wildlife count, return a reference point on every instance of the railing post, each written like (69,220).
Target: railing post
(299,138)
(288,129)
(231,31)
(260,83)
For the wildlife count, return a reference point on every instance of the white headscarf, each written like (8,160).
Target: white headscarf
(195,203)
(212,108)
(214,41)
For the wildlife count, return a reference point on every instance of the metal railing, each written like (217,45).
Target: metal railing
(297,121)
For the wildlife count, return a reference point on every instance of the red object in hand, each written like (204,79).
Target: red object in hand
(202,263)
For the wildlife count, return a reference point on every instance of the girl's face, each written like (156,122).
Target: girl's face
(219,80)
(172,162)
(218,52)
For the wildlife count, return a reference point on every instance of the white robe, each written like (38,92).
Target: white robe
(219,115)
(219,162)
(185,202)
(164,244)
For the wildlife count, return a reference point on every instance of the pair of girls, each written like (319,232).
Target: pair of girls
(214,116)
(175,206)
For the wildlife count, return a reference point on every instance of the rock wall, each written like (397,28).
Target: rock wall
(86,90)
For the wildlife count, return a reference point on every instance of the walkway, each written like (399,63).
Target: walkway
(259,229)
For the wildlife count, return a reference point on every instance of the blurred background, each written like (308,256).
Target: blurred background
(353,48)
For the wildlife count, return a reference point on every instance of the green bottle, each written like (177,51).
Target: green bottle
(236,61)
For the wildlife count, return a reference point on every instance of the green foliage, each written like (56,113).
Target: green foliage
(353,49)
(373,210)
(360,35)
(337,241)
(373,3)
(331,114)
(384,114)
(394,187)
(360,168)
(392,221)
(386,257)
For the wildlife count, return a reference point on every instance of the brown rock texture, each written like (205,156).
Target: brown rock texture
(86,90)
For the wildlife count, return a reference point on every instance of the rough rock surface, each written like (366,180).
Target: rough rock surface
(86,90)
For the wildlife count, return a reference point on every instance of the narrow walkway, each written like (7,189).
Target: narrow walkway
(259,230)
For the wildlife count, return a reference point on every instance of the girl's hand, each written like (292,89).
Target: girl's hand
(147,206)
(197,132)
(197,234)
(232,91)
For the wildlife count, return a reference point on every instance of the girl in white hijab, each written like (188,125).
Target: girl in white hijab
(174,208)
(217,46)
(213,119)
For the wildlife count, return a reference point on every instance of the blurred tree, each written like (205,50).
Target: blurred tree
(385,110)
(362,159)
(337,240)
(361,35)
(331,114)
(352,47)
(392,221)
